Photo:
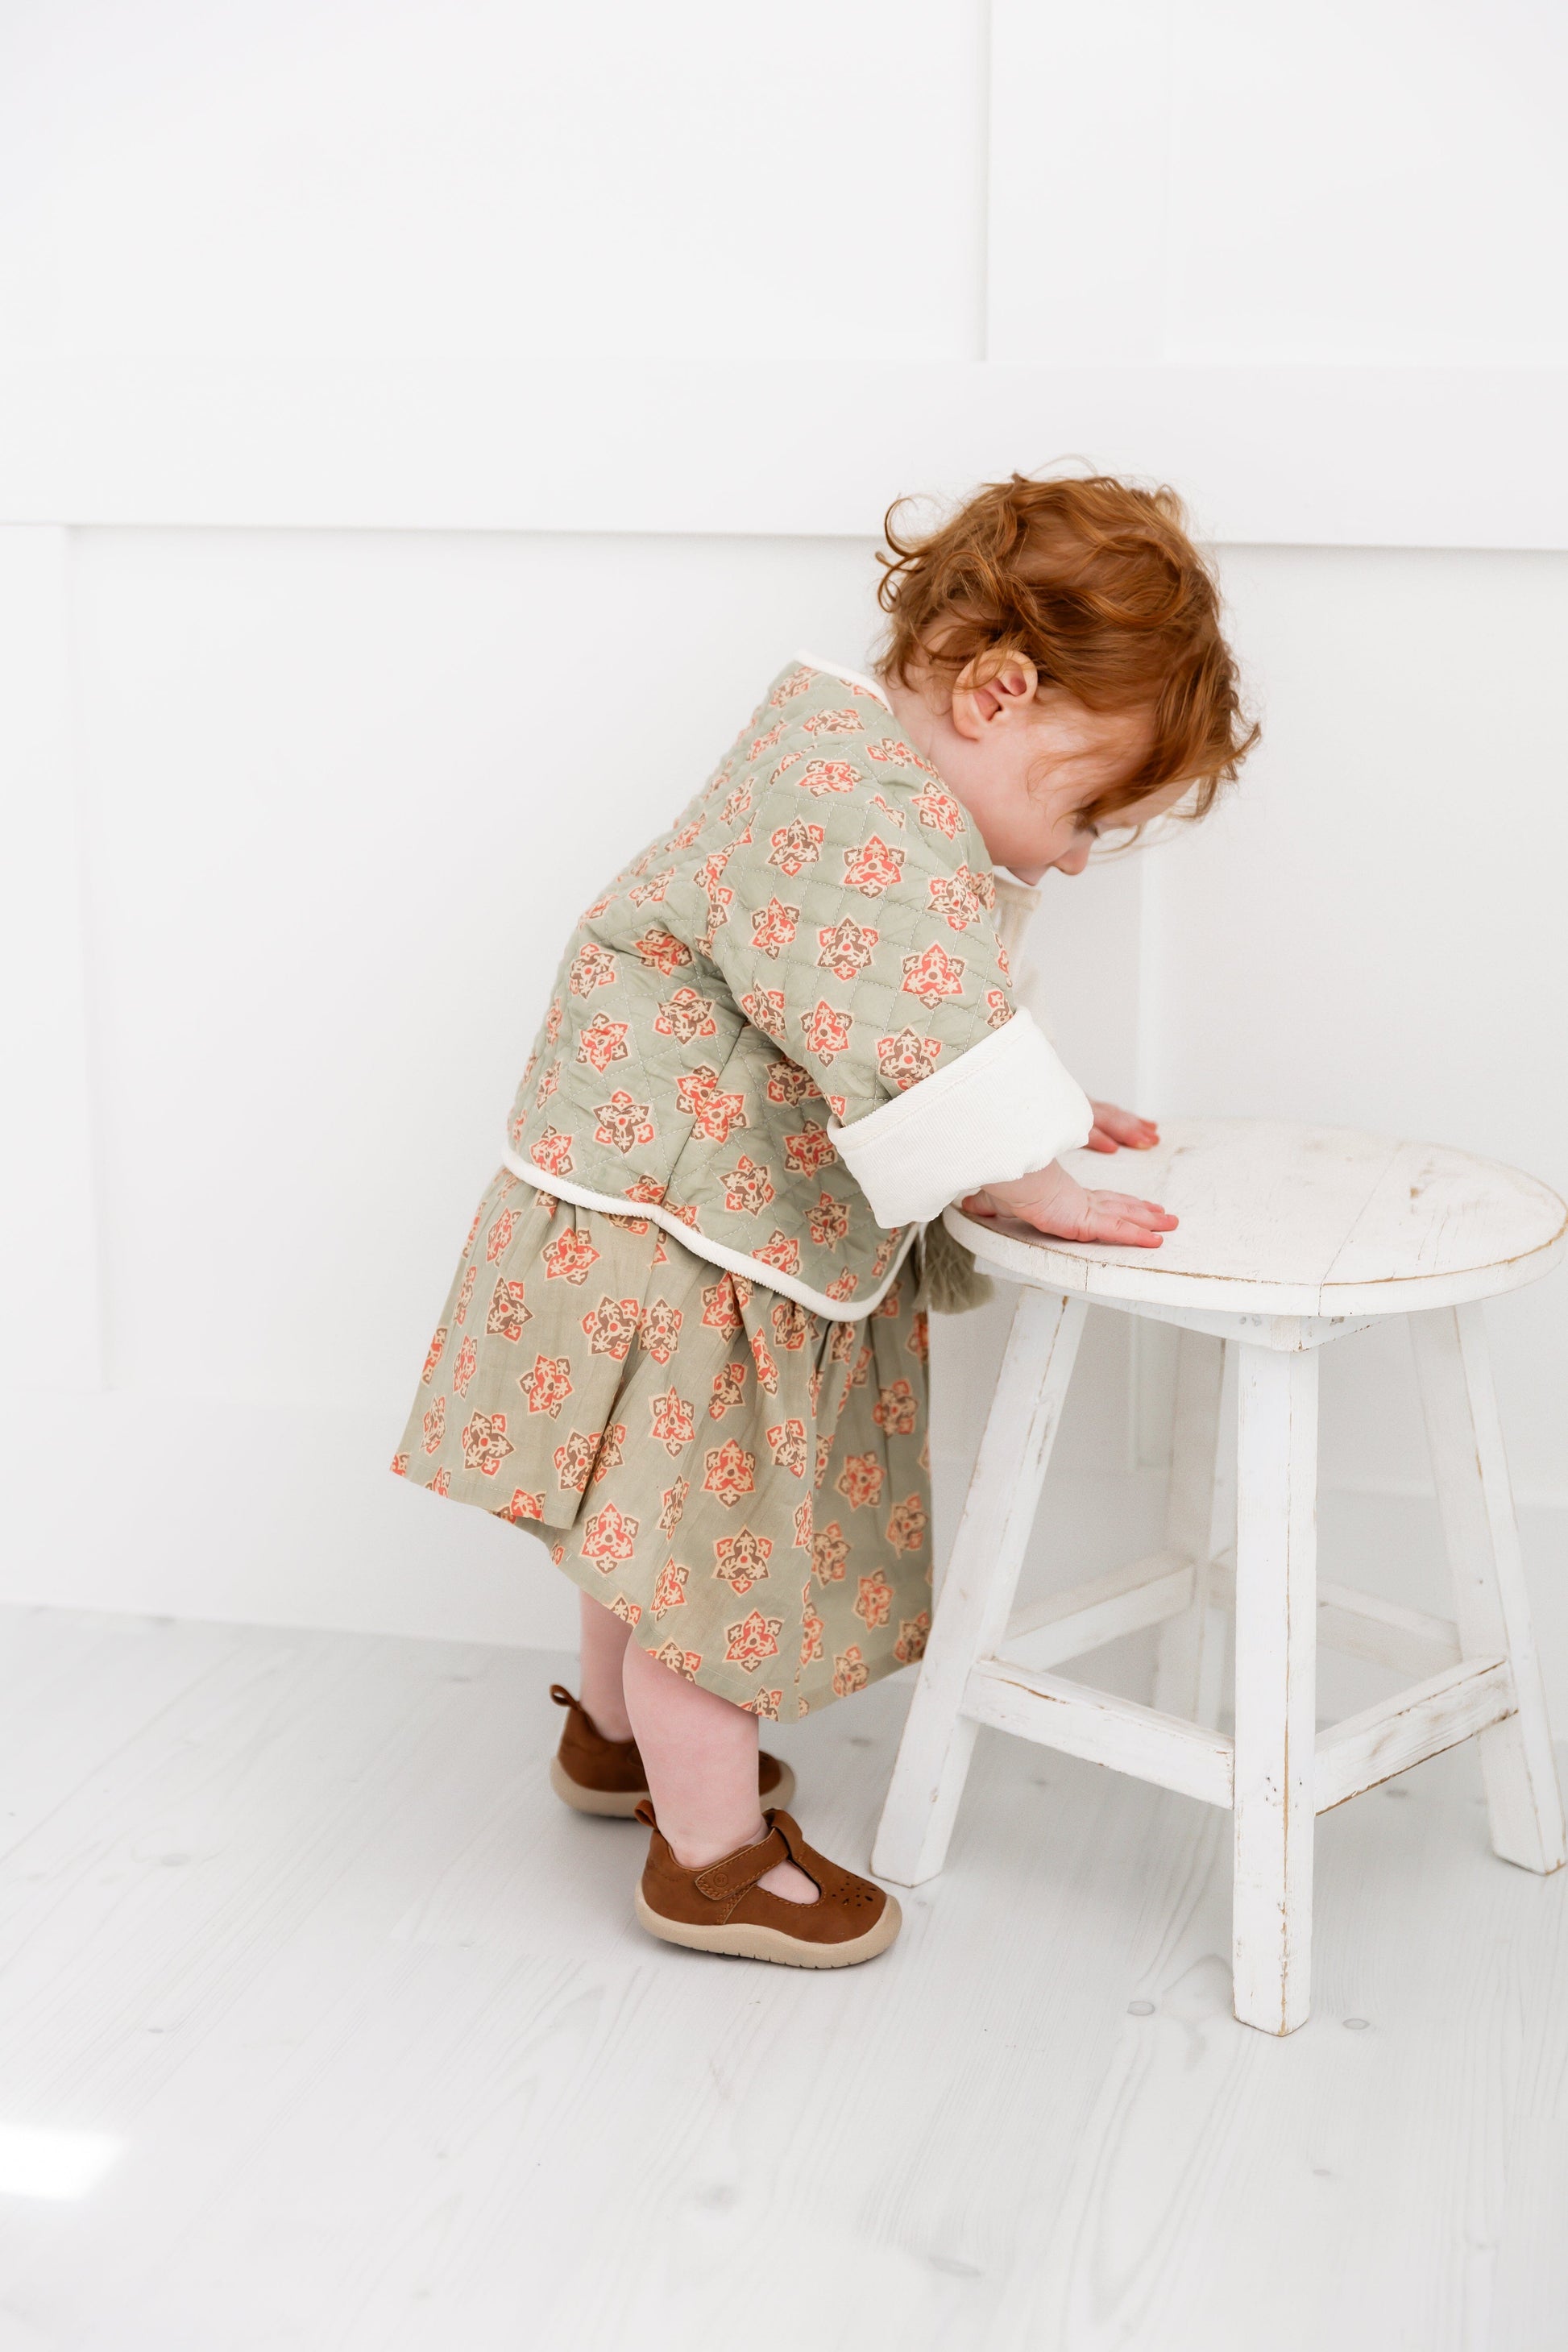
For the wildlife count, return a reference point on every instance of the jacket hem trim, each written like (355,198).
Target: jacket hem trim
(769,1277)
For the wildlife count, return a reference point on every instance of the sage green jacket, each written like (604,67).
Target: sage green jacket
(786,1031)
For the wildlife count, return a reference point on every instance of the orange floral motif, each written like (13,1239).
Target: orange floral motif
(610,1456)
(459,1312)
(782,1250)
(742,1560)
(523,1506)
(863,1363)
(940,810)
(810,1150)
(850,1672)
(720,1311)
(435,1425)
(845,948)
(829,1221)
(843,1286)
(442,1483)
(569,1257)
(433,1357)
(592,967)
(739,802)
(548,1385)
(748,1186)
(603,1041)
(674,1426)
(645,1187)
(894,816)
(553,1021)
(485,1443)
(861,1480)
(824,1453)
(651,893)
(802,1519)
(819,776)
(812,1629)
(661,1329)
(761,743)
(873,868)
(959,898)
(500,1235)
(890,751)
(764,1702)
(547,1086)
(826,1031)
(774,927)
(627,1609)
(787,1444)
(791,760)
(788,1083)
(754,1638)
(998,1012)
(907,1524)
(833,722)
(729,1388)
(795,845)
(673,1499)
(932,975)
(609,1536)
(789,1322)
(686,1016)
(611,1326)
(506,1314)
(464,1368)
(897,1409)
(400,1466)
(764,1007)
(661,952)
(575,1460)
(830,1551)
(874,1600)
(787,688)
(682,1661)
(553,1151)
(907,1058)
(767,1370)
(712,1111)
(623,1123)
(728,1471)
(669,1588)
(919,1342)
(882,1257)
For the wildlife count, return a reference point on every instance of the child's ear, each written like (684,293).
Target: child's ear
(988,694)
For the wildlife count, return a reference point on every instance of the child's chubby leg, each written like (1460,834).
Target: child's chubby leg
(604,1647)
(701,1755)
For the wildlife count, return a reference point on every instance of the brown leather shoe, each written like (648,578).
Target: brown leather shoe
(722,1908)
(596,1775)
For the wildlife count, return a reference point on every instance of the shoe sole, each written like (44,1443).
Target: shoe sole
(753,1943)
(621,1804)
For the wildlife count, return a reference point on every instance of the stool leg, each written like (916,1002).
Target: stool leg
(1275,1639)
(1491,1605)
(976,1597)
(1189,1665)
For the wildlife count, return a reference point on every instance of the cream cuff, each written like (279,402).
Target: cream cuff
(1002,1109)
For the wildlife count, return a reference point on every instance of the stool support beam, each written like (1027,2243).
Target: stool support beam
(1101,1729)
(1368,1749)
(1123,1600)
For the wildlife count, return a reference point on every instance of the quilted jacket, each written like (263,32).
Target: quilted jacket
(786,1031)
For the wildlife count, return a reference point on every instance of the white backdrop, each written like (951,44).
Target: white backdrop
(579,354)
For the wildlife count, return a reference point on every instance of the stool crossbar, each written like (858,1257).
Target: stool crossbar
(1472,1676)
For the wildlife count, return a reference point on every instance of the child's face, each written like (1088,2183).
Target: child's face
(1027,766)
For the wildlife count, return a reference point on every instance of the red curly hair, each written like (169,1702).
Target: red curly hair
(1098,583)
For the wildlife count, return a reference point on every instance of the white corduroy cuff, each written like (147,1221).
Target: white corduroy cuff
(1002,1109)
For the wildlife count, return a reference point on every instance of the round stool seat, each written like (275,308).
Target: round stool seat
(1283,1220)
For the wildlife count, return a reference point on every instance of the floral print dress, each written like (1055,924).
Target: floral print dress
(744,1482)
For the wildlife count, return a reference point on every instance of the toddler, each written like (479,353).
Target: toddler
(686,1341)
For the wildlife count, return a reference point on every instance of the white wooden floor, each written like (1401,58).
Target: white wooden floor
(328,2027)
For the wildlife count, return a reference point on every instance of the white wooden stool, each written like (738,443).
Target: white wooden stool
(1289,1237)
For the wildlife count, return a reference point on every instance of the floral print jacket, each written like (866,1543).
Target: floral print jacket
(786,1031)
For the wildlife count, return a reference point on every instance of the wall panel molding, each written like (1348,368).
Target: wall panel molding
(1431,458)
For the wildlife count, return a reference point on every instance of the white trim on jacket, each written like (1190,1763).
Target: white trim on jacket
(770,1277)
(1000,1110)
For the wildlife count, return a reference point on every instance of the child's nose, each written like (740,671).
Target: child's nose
(1074,861)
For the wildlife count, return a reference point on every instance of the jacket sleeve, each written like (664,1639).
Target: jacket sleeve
(860,936)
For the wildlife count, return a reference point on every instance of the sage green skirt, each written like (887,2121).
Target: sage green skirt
(744,1483)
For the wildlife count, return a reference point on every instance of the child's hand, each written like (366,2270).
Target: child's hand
(1113,1126)
(1053,1204)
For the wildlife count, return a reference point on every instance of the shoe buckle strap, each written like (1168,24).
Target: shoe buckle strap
(738,1871)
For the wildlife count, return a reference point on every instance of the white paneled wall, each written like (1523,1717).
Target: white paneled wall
(580,355)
